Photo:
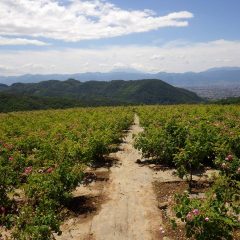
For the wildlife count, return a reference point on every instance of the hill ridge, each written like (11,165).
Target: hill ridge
(99,93)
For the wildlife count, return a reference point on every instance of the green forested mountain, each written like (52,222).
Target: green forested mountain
(70,93)
(226,101)
(15,102)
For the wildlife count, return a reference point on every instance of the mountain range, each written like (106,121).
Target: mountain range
(71,93)
(226,76)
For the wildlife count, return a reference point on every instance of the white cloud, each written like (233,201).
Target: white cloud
(119,65)
(20,41)
(191,57)
(33,66)
(156,57)
(7,70)
(223,60)
(80,19)
(25,68)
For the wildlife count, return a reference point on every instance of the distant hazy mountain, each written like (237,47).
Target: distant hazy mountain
(212,77)
(226,76)
(92,93)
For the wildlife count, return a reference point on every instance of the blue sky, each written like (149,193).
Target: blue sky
(69,36)
(213,19)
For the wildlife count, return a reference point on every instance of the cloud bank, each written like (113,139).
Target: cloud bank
(80,20)
(172,57)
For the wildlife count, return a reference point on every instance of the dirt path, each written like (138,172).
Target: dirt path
(131,211)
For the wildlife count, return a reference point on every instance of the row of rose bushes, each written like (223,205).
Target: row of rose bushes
(189,138)
(214,217)
(42,158)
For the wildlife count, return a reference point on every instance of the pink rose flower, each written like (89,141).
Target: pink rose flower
(49,170)
(28,170)
(229,158)
(195,211)
(189,216)
(206,219)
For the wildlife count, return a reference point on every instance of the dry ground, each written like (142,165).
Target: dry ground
(124,201)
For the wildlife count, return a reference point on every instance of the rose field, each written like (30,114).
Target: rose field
(45,156)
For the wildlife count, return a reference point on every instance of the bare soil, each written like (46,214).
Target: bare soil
(129,199)
(125,206)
